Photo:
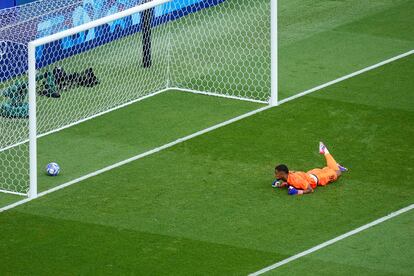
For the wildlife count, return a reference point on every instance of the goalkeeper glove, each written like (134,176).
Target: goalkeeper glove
(292,191)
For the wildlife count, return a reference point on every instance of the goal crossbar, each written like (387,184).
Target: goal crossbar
(96,23)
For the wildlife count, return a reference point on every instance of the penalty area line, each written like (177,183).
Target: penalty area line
(332,241)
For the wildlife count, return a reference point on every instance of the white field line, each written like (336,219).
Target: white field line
(139,156)
(334,240)
(346,77)
(203,131)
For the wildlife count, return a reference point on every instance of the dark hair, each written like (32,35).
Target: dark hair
(282,168)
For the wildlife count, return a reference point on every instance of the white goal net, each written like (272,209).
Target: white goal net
(88,58)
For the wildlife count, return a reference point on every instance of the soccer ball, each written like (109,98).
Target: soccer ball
(52,169)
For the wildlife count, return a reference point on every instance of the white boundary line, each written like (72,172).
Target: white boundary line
(334,240)
(139,156)
(205,131)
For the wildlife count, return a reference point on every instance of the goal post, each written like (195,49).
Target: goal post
(32,193)
(224,48)
(274,40)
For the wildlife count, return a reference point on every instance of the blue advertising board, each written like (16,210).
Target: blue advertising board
(6,4)
(13,58)
(21,2)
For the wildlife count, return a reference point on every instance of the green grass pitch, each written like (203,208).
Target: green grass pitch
(205,206)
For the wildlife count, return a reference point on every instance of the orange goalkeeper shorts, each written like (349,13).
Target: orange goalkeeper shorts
(325,175)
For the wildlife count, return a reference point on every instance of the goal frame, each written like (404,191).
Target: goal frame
(33,184)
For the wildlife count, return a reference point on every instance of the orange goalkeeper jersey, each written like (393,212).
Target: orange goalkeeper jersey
(301,180)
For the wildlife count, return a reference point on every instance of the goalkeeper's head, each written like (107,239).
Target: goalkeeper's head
(281,172)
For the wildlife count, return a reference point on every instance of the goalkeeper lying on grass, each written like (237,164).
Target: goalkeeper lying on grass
(303,183)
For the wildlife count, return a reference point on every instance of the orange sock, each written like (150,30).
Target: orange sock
(331,163)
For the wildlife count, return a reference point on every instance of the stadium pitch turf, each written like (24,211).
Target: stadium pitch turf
(368,253)
(205,206)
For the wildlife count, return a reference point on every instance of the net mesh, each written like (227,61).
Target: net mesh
(225,49)
(221,47)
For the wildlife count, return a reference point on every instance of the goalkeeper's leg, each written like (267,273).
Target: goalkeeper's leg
(330,161)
